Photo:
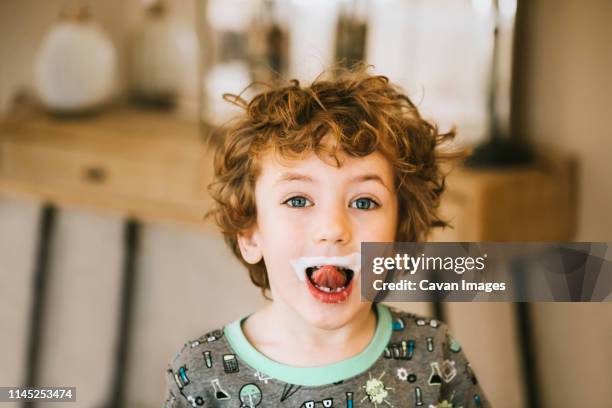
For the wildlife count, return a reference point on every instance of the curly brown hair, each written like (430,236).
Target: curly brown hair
(362,113)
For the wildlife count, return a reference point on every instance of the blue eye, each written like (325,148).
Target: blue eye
(298,202)
(360,204)
(364,204)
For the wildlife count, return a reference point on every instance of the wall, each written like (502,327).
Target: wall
(564,100)
(564,96)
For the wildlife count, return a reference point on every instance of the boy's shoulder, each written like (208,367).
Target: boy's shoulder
(200,351)
(412,332)
(415,324)
(198,365)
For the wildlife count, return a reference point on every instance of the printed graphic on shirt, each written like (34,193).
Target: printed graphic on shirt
(220,393)
(424,322)
(181,381)
(404,350)
(418,397)
(207,338)
(230,363)
(181,378)
(435,378)
(208,358)
(195,402)
(430,344)
(443,404)
(448,370)
(453,345)
(327,403)
(289,390)
(250,396)
(398,324)
(212,336)
(376,391)
(402,374)
(349,400)
(262,377)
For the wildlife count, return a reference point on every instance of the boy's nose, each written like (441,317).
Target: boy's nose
(332,227)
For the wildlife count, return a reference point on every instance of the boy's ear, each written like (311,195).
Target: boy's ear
(250,248)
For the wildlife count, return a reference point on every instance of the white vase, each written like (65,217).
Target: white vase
(311,38)
(228,77)
(164,63)
(76,66)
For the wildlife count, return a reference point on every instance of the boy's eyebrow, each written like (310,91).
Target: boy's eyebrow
(303,177)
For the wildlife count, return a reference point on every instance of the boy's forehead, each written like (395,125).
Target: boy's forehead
(277,168)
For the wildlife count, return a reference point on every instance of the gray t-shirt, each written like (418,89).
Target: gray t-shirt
(411,361)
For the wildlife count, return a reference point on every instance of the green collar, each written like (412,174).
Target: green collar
(313,376)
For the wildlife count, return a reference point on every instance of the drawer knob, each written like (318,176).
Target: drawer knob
(95,174)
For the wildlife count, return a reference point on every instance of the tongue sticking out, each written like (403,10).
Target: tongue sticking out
(329,276)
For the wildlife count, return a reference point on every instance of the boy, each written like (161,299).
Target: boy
(305,176)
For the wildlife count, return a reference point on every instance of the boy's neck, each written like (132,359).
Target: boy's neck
(283,336)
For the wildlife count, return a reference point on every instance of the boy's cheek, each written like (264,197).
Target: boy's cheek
(280,224)
(381,227)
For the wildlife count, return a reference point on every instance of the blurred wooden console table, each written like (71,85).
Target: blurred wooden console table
(153,166)
(527,203)
(148,165)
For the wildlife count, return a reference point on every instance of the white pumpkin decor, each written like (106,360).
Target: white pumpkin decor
(229,72)
(164,63)
(76,65)
(227,77)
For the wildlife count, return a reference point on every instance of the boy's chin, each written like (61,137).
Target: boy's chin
(322,315)
(327,316)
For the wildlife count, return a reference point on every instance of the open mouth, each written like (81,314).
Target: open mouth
(329,283)
(329,279)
